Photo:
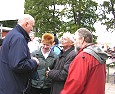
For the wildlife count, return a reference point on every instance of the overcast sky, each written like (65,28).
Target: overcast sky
(11,9)
(103,35)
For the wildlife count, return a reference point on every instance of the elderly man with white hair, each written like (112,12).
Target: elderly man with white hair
(16,65)
(59,71)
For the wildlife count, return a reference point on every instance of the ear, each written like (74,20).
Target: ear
(26,24)
(82,40)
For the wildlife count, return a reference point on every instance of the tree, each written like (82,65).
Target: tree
(82,14)
(73,15)
(107,14)
(41,10)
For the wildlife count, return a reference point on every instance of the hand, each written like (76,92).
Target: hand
(35,59)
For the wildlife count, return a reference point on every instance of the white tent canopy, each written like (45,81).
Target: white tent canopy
(11,9)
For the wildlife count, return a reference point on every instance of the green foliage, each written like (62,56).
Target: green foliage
(107,14)
(72,15)
(82,14)
(50,18)
(59,16)
(9,23)
(47,19)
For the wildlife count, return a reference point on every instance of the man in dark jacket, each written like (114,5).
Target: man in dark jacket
(60,71)
(16,66)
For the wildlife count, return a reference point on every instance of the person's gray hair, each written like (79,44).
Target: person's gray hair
(70,36)
(25,17)
(86,34)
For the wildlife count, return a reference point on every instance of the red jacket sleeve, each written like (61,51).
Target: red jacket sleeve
(78,74)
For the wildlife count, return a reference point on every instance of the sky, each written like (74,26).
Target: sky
(103,35)
(11,9)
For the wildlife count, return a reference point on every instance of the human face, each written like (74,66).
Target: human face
(78,40)
(29,26)
(46,47)
(66,42)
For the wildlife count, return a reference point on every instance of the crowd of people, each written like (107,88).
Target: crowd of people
(78,66)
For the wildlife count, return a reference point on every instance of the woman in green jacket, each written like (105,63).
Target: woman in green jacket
(46,57)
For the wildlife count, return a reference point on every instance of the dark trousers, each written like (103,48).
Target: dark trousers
(40,91)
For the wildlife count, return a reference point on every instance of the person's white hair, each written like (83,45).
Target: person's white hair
(70,36)
(25,17)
